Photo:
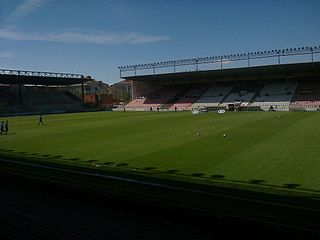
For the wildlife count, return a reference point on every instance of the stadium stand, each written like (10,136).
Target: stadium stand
(275,95)
(307,96)
(253,88)
(240,95)
(213,96)
(188,96)
(169,98)
(36,100)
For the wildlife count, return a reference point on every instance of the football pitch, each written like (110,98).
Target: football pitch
(277,149)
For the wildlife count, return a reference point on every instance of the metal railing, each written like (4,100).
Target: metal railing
(222,59)
(39,74)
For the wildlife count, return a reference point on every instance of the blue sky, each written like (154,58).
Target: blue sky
(94,37)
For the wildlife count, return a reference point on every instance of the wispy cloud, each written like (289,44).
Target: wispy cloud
(78,37)
(9,30)
(24,9)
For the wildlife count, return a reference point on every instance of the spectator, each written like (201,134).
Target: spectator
(6,127)
(2,127)
(41,120)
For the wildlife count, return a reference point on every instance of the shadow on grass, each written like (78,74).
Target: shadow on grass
(122,164)
(108,163)
(8,150)
(256,181)
(89,161)
(34,154)
(197,174)
(291,185)
(217,176)
(171,171)
(149,168)
(74,159)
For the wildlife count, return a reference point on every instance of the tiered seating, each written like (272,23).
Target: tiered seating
(240,95)
(154,100)
(276,96)
(35,100)
(241,98)
(307,96)
(213,96)
(168,97)
(6,96)
(158,98)
(192,95)
(137,104)
(45,97)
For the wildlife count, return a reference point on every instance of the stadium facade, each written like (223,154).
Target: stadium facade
(289,83)
(31,92)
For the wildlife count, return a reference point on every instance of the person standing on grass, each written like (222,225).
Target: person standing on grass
(6,127)
(41,120)
(2,127)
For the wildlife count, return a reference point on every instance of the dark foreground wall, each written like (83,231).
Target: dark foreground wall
(201,206)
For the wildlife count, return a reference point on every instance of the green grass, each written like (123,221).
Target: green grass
(275,149)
